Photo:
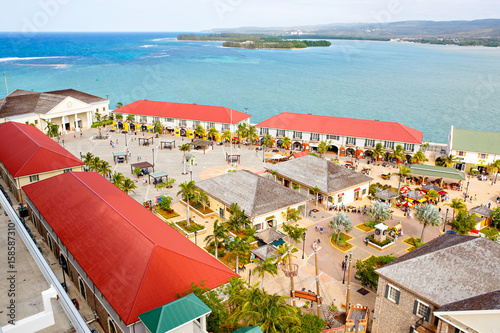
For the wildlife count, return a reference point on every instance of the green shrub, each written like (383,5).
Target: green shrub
(341,240)
(385,242)
(333,308)
(95,124)
(370,224)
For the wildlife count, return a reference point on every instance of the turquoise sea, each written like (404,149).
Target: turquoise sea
(428,87)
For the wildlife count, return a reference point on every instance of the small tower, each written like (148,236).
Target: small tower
(380,232)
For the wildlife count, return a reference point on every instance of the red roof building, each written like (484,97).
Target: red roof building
(361,134)
(28,155)
(187,115)
(137,261)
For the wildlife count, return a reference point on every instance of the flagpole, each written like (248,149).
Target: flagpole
(6,88)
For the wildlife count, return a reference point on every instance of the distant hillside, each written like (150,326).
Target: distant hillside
(477,29)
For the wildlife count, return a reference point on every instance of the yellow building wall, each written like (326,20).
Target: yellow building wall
(21,181)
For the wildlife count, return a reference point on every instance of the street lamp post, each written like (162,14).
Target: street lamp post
(345,268)
(249,275)
(63,142)
(195,234)
(191,172)
(153,150)
(466,190)
(303,244)
(125,139)
(445,219)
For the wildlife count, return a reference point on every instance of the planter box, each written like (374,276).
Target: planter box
(382,248)
(188,234)
(197,211)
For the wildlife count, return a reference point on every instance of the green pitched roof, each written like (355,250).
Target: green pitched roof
(249,329)
(436,171)
(174,314)
(475,141)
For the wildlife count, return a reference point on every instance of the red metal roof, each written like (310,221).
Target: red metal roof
(216,114)
(135,259)
(25,150)
(360,128)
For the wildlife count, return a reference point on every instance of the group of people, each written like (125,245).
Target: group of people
(344,209)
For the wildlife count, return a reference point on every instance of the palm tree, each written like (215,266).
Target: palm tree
(292,214)
(187,191)
(211,132)
(457,204)
(324,146)
(464,222)
(94,164)
(268,140)
(316,191)
(432,195)
(426,215)
(130,118)
(87,159)
(119,116)
(200,131)
(271,313)
(119,105)
(379,212)
(227,136)
(419,157)
(184,148)
(251,134)
(52,129)
(285,251)
(219,235)
(239,247)
(450,160)
(340,223)
(203,199)
(117,179)
(104,168)
(242,131)
(128,186)
(238,220)
(403,174)
(398,153)
(274,173)
(285,142)
(378,151)
(494,167)
(266,266)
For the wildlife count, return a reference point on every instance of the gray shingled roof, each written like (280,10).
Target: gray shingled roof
(488,301)
(312,171)
(265,251)
(429,187)
(481,210)
(412,195)
(386,194)
(269,235)
(23,102)
(254,194)
(450,268)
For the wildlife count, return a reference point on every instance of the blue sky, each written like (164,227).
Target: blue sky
(196,15)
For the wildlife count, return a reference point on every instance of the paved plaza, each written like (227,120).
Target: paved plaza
(212,163)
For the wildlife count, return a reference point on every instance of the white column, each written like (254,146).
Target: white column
(89,119)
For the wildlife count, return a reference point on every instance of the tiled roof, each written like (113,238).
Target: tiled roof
(386,194)
(39,153)
(475,141)
(312,171)
(24,102)
(254,194)
(448,268)
(360,128)
(269,235)
(216,114)
(137,261)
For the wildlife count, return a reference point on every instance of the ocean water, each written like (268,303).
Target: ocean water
(427,87)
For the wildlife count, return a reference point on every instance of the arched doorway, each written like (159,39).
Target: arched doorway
(350,152)
(120,125)
(182,132)
(368,154)
(64,264)
(409,158)
(132,127)
(297,145)
(144,127)
(334,149)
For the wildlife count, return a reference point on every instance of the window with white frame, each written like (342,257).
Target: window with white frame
(196,123)
(33,178)
(264,131)
(144,119)
(280,132)
(81,286)
(210,125)
(332,137)
(297,134)
(155,119)
(350,141)
(389,144)
(104,109)
(409,146)
(182,122)
(483,156)
(421,309)
(225,127)
(315,136)
(169,120)
(369,143)
(392,293)
(460,153)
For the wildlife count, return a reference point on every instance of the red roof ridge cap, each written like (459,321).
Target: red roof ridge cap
(113,208)
(29,137)
(130,315)
(405,128)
